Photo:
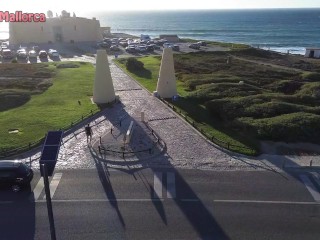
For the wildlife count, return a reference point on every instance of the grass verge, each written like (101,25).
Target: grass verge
(53,109)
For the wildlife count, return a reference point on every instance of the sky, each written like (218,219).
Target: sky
(78,6)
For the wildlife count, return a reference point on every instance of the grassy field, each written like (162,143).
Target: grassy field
(258,96)
(48,108)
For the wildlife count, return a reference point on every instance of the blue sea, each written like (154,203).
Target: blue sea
(275,29)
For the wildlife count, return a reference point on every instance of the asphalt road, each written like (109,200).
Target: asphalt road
(166,204)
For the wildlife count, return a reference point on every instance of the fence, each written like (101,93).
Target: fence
(6,152)
(159,141)
(212,138)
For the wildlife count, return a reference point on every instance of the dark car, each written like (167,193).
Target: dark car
(175,48)
(43,54)
(15,174)
(194,46)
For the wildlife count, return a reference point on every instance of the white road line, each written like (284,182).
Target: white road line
(311,188)
(266,202)
(171,185)
(54,184)
(103,200)
(316,177)
(157,185)
(38,189)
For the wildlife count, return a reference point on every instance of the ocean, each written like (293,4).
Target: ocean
(275,29)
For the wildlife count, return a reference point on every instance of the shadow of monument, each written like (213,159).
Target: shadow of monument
(197,214)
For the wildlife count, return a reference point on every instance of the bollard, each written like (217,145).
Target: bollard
(123,155)
(120,123)
(149,150)
(228,146)
(99,149)
(111,130)
(311,163)
(100,140)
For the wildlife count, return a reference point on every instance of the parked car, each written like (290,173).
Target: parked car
(202,43)
(130,49)
(114,48)
(32,54)
(36,48)
(15,174)
(43,54)
(22,53)
(175,48)
(6,53)
(53,53)
(167,45)
(194,46)
(150,48)
(141,48)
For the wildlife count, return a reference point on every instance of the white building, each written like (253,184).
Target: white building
(56,29)
(312,53)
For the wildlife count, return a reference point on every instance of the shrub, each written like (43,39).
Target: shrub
(68,65)
(133,65)
(291,127)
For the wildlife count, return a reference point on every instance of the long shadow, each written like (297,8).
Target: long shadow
(197,214)
(107,186)
(17,214)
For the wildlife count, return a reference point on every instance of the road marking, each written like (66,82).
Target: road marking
(266,202)
(189,200)
(38,189)
(54,184)
(316,177)
(157,185)
(311,188)
(104,200)
(171,185)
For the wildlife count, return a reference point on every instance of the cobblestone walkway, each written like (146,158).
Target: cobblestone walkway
(185,147)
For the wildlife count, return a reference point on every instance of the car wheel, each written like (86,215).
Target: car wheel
(16,188)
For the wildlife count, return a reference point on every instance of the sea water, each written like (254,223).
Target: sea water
(275,29)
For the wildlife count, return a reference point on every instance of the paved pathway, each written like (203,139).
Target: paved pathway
(186,148)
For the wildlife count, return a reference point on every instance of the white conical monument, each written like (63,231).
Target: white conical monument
(103,91)
(166,87)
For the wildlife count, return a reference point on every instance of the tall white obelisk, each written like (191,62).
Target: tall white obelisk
(166,87)
(103,91)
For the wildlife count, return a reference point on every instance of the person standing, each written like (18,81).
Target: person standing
(88,131)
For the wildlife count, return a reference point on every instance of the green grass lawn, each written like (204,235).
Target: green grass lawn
(53,109)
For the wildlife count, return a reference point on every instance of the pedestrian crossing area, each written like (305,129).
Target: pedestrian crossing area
(312,183)
(164,185)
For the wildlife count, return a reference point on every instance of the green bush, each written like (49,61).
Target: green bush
(133,65)
(291,127)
